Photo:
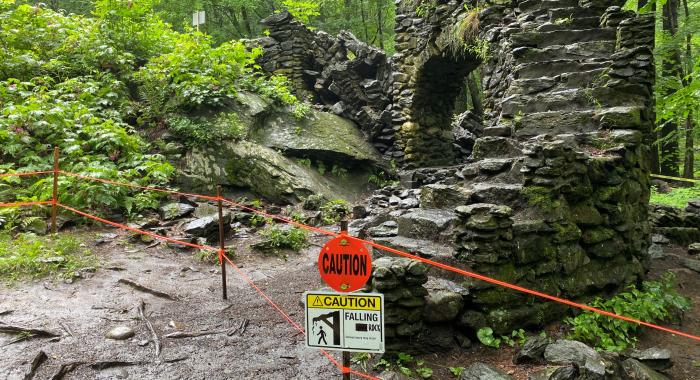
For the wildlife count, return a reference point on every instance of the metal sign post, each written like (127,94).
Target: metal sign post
(198,19)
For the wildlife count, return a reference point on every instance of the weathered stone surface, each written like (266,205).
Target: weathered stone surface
(634,370)
(320,136)
(691,264)
(443,196)
(481,371)
(442,306)
(656,358)
(571,352)
(532,351)
(258,168)
(172,211)
(207,226)
(694,249)
(425,223)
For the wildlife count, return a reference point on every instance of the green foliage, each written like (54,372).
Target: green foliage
(339,172)
(381,179)
(456,371)
(29,255)
(302,10)
(212,257)
(485,335)
(361,359)
(678,197)
(84,83)
(334,211)
(656,301)
(278,238)
(405,364)
(226,126)
(73,115)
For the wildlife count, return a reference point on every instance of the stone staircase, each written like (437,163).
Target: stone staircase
(532,205)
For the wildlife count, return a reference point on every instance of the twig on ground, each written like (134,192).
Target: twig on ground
(5,312)
(145,289)
(65,369)
(194,334)
(25,333)
(240,329)
(113,363)
(142,314)
(38,360)
(65,327)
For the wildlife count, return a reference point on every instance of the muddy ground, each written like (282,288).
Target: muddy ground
(268,348)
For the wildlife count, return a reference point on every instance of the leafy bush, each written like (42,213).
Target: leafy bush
(656,301)
(678,197)
(334,211)
(403,363)
(73,81)
(28,255)
(278,238)
(226,126)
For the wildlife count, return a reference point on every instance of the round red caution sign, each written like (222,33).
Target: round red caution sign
(344,264)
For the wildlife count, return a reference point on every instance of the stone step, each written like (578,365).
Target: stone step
(562,37)
(555,123)
(554,67)
(429,224)
(569,99)
(558,82)
(495,147)
(534,5)
(420,247)
(495,192)
(576,51)
(563,15)
(565,24)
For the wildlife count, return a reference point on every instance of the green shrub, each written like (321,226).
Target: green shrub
(29,255)
(334,211)
(656,301)
(194,132)
(279,238)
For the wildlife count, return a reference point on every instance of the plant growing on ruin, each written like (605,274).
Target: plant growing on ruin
(334,211)
(279,238)
(406,364)
(655,301)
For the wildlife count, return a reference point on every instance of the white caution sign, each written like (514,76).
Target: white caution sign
(345,321)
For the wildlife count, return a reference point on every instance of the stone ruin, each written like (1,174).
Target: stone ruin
(547,189)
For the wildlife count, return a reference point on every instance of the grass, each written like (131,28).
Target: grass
(678,197)
(30,256)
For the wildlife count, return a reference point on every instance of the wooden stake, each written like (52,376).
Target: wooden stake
(54,200)
(346,354)
(222,248)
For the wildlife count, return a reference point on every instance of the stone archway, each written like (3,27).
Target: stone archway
(439,81)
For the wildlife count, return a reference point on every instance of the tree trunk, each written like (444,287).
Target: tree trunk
(475,94)
(246,22)
(380,27)
(670,158)
(348,9)
(364,19)
(689,158)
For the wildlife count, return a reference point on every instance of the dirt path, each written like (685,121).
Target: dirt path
(268,349)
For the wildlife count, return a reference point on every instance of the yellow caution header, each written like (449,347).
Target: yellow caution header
(351,302)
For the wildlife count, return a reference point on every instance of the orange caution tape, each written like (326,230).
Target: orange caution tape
(21,204)
(125,227)
(292,322)
(207,197)
(25,174)
(408,255)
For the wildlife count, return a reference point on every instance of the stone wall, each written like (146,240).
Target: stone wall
(341,74)
(548,189)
